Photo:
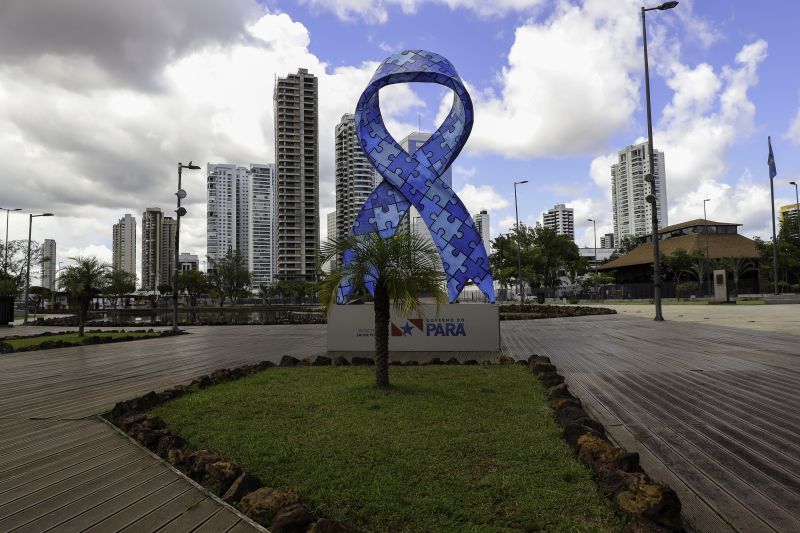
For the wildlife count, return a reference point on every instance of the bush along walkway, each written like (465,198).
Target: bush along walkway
(48,340)
(650,505)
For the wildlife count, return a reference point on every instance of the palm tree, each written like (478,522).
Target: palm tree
(84,280)
(397,271)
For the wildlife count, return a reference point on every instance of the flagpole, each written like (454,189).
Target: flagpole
(774,236)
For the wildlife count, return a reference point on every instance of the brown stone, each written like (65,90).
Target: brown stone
(288,360)
(220,376)
(167,443)
(220,476)
(557,403)
(263,504)
(542,368)
(362,361)
(341,361)
(293,519)
(651,501)
(322,360)
(596,452)
(551,379)
(149,438)
(452,361)
(574,430)
(175,456)
(568,412)
(559,391)
(126,422)
(241,486)
(195,463)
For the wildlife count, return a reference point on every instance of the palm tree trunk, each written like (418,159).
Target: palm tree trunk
(84,308)
(381,335)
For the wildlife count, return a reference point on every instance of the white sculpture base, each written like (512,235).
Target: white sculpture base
(454,328)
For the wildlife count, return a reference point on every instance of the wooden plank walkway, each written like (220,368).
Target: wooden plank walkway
(713,411)
(63,469)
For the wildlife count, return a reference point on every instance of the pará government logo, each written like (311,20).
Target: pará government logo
(429,327)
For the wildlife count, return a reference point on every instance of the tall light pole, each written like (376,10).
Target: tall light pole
(5,245)
(28,261)
(705,230)
(594,231)
(179,212)
(519,254)
(796,206)
(651,198)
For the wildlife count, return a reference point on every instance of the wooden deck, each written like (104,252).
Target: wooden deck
(714,411)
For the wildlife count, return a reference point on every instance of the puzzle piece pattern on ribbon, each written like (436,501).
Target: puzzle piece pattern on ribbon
(415,179)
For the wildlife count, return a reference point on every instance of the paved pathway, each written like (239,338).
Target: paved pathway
(712,410)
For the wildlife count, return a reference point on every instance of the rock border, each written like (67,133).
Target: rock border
(651,506)
(88,341)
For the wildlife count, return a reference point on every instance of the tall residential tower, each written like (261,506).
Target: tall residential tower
(355,175)
(124,245)
(629,190)
(297,168)
(49,264)
(158,249)
(561,219)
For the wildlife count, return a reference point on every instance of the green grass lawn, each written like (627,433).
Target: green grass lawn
(447,448)
(73,337)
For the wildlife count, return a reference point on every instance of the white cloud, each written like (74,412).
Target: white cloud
(91,152)
(569,102)
(377,11)
(481,197)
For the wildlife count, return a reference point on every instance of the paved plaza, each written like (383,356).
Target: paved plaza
(712,410)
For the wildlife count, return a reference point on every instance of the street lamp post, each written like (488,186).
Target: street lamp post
(796,206)
(594,231)
(5,245)
(651,198)
(28,261)
(179,212)
(705,230)
(519,254)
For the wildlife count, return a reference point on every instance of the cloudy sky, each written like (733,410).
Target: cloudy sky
(99,100)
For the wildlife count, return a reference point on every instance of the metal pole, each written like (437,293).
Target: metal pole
(797,208)
(177,243)
(774,238)
(5,259)
(705,229)
(594,230)
(519,256)
(654,206)
(28,273)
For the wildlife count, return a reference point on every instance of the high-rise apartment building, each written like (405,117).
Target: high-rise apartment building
(226,186)
(187,261)
(484,229)
(790,219)
(241,216)
(260,228)
(49,264)
(607,241)
(297,168)
(158,249)
(355,176)
(629,191)
(333,230)
(561,219)
(124,245)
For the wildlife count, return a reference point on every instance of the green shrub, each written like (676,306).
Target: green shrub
(687,288)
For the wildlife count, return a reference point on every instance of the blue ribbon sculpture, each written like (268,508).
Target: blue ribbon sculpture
(415,179)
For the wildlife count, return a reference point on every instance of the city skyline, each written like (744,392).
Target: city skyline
(730,60)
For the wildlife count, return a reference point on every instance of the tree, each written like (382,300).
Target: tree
(230,276)
(37,295)
(164,289)
(119,284)
(737,266)
(12,273)
(677,264)
(84,280)
(194,283)
(399,270)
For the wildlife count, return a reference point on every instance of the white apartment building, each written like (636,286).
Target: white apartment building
(629,190)
(297,168)
(483,226)
(226,186)
(561,219)
(355,176)
(607,241)
(49,264)
(124,245)
(260,227)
